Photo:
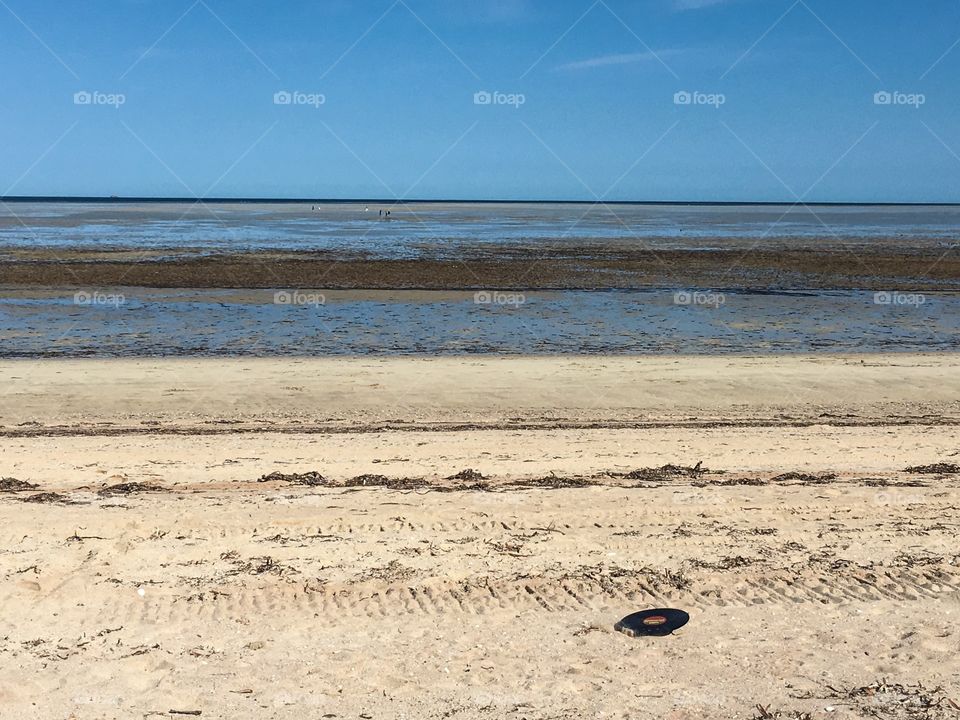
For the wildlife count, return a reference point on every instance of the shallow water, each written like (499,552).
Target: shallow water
(224,323)
(138,322)
(447,229)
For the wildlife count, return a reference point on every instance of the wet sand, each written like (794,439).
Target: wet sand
(162,570)
(614,266)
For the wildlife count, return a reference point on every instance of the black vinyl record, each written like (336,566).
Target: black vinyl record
(659,622)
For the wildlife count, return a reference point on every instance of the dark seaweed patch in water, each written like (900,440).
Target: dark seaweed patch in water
(936,468)
(311,478)
(14,485)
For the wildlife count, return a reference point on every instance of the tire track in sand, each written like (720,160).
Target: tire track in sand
(334,604)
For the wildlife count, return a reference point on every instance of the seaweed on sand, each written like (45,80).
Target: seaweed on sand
(468,475)
(264,565)
(482,486)
(392,572)
(935,469)
(664,472)
(898,702)
(741,481)
(725,564)
(553,482)
(469,480)
(47,498)
(14,485)
(883,482)
(610,577)
(311,478)
(804,477)
(129,488)
(765,713)
(385,482)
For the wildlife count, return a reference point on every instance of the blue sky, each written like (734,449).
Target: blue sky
(384,97)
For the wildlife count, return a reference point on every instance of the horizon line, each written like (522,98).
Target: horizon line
(388,201)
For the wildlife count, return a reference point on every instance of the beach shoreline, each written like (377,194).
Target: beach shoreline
(354,394)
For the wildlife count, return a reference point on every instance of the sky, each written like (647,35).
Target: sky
(641,100)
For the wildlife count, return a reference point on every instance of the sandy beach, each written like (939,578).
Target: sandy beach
(285,538)
(487,360)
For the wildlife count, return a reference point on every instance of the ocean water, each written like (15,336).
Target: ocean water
(454,229)
(138,322)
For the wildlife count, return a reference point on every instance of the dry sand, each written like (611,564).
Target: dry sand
(194,587)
